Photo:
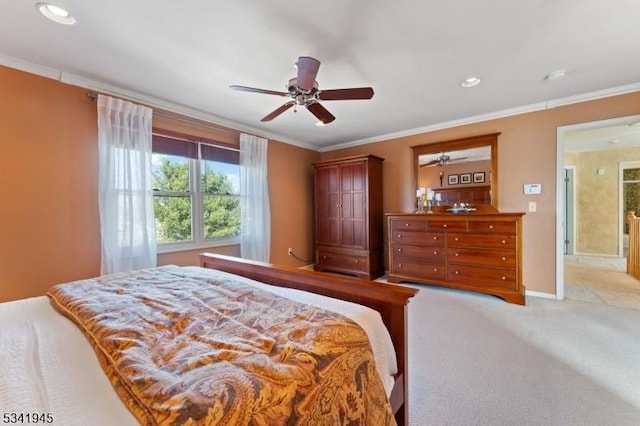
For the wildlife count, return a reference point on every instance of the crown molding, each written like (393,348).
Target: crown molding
(540,106)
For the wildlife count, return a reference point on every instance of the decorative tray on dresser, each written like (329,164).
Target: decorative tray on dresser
(479,252)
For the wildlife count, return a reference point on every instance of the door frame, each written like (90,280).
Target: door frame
(574,212)
(621,213)
(560,205)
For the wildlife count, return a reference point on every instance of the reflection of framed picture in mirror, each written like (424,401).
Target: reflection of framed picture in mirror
(465,178)
(453,179)
(478,177)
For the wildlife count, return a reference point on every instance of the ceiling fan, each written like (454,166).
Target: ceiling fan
(303,91)
(442,160)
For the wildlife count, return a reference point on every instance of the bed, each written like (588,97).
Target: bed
(51,374)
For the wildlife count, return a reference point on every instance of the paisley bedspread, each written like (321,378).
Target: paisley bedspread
(183,349)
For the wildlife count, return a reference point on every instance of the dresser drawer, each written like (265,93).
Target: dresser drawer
(340,260)
(405,251)
(506,242)
(447,225)
(481,276)
(408,225)
(419,270)
(498,227)
(497,258)
(425,238)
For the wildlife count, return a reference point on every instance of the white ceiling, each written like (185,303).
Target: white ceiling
(184,55)
(608,137)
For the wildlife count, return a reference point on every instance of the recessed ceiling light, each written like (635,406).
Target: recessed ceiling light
(555,75)
(470,82)
(56,13)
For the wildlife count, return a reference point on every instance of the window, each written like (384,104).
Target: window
(196,194)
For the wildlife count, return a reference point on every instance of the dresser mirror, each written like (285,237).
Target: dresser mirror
(458,171)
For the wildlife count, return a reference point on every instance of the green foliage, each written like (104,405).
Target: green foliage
(173,213)
(221,217)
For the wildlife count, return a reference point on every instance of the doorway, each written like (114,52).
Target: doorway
(604,136)
(629,199)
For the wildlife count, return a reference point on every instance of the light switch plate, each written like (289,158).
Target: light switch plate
(532,188)
(533,206)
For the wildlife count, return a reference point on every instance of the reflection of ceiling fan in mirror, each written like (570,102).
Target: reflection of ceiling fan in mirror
(442,160)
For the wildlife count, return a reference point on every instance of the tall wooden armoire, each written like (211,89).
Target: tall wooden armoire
(349,217)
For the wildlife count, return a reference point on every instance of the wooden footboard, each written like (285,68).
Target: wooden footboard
(390,300)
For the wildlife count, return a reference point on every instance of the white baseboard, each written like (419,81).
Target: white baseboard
(540,294)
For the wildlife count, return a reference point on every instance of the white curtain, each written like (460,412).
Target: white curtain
(254,199)
(127,223)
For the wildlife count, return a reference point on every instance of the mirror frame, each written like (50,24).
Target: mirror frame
(490,140)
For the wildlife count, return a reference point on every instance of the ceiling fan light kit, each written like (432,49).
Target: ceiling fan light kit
(303,91)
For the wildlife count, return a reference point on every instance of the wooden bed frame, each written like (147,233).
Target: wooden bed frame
(388,299)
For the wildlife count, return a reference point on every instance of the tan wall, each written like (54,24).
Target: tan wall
(48,202)
(49,221)
(526,154)
(597,199)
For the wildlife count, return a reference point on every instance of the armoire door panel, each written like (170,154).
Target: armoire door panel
(347,232)
(360,234)
(359,208)
(346,205)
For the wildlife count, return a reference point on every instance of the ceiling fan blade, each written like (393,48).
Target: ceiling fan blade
(278,111)
(307,72)
(453,160)
(346,94)
(430,163)
(320,112)
(254,90)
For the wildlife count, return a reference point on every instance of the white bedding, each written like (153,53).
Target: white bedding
(47,365)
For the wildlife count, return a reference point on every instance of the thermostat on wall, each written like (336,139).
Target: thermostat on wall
(532,188)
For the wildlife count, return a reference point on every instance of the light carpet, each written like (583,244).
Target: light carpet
(477,360)
(600,281)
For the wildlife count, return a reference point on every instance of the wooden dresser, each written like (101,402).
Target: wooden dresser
(470,251)
(348,216)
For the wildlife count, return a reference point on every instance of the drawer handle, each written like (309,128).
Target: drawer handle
(399,250)
(456,239)
(457,254)
(435,238)
(435,252)
(399,265)
(435,269)
(504,241)
(503,258)
(503,278)
(457,272)
(399,235)
(445,225)
(324,257)
(356,260)
(490,226)
(407,225)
